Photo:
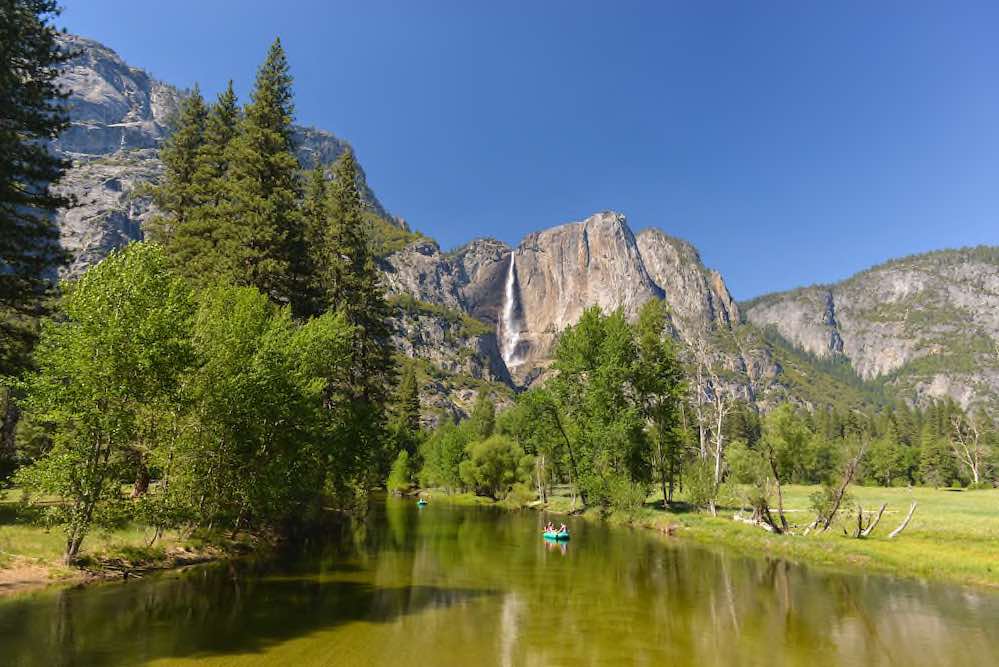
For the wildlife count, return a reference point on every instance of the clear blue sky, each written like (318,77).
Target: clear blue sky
(792,142)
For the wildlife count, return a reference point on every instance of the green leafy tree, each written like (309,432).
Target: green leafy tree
(400,477)
(594,369)
(659,386)
(493,466)
(442,455)
(116,354)
(534,423)
(265,443)
(885,459)
(482,422)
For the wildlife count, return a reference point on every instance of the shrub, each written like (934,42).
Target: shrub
(492,467)
(399,479)
(627,497)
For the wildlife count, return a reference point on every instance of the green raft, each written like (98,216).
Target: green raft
(421,502)
(558,537)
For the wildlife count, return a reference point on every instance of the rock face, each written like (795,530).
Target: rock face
(531,293)
(119,117)
(698,298)
(928,324)
(559,272)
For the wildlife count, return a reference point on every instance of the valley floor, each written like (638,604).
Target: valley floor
(953,535)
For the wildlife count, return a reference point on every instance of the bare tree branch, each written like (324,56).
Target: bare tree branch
(895,533)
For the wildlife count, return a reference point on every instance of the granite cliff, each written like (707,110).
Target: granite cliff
(927,326)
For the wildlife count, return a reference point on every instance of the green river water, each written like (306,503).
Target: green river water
(445,586)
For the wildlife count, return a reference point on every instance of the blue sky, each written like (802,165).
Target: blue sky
(791,142)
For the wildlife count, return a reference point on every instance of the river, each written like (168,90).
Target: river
(445,586)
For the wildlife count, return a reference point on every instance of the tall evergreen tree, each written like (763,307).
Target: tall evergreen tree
(175,195)
(31,114)
(404,425)
(408,400)
(196,243)
(315,211)
(350,283)
(262,225)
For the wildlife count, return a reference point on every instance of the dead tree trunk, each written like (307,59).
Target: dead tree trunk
(851,470)
(874,523)
(11,416)
(908,517)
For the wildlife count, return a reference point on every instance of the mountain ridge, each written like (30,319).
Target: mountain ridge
(486,315)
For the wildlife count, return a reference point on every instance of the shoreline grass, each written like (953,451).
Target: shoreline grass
(31,554)
(953,536)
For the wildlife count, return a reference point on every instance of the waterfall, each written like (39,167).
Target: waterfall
(511,329)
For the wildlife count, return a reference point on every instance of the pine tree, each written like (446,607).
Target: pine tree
(31,114)
(408,400)
(195,248)
(315,212)
(262,226)
(175,195)
(936,463)
(350,283)
(405,422)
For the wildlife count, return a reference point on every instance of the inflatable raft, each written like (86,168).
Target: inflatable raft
(558,537)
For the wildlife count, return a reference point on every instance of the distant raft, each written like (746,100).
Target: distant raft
(421,502)
(556,536)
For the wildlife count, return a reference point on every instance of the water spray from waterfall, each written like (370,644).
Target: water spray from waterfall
(511,329)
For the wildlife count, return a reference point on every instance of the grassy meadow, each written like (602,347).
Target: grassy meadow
(953,535)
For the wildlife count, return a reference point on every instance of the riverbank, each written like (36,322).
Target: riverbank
(31,555)
(953,536)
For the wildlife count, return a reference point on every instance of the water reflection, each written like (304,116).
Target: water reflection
(455,586)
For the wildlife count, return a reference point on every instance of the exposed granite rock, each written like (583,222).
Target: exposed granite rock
(421,271)
(564,270)
(449,346)
(461,363)
(927,324)
(698,298)
(484,265)
(109,210)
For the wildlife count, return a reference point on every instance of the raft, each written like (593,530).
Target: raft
(421,502)
(558,537)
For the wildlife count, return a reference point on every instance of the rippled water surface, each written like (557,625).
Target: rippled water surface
(465,586)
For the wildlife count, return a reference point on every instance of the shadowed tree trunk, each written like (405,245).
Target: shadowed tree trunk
(8,432)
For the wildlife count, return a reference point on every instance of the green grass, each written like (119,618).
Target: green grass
(27,544)
(953,536)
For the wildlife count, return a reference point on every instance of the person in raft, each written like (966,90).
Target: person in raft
(550,527)
(562,530)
